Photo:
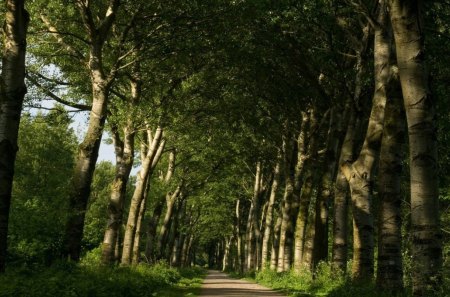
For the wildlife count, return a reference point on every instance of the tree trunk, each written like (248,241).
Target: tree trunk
(294,166)
(226,255)
(302,219)
(136,255)
(340,214)
(88,149)
(84,170)
(124,151)
(152,253)
(320,251)
(124,162)
(306,193)
(151,231)
(12,93)
(177,234)
(163,232)
(173,233)
(249,239)
(117,248)
(390,267)
(307,256)
(360,173)
(421,116)
(284,257)
(269,215)
(255,239)
(190,254)
(240,254)
(275,243)
(156,145)
(184,251)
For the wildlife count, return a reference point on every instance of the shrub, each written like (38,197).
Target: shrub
(66,279)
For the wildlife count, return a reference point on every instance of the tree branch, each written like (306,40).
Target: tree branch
(110,15)
(362,8)
(55,32)
(55,97)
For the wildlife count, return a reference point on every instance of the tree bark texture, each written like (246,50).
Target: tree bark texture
(255,239)
(295,157)
(306,193)
(155,146)
(390,266)
(124,151)
(421,117)
(286,228)
(239,243)
(269,215)
(124,162)
(360,173)
(341,189)
(12,93)
(136,253)
(276,242)
(88,149)
(171,198)
(325,191)
(151,231)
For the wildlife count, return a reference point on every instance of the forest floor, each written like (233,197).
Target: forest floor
(218,284)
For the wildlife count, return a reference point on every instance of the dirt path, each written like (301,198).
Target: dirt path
(218,284)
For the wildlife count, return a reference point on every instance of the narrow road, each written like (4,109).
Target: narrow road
(218,284)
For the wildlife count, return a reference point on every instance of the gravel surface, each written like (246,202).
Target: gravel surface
(218,284)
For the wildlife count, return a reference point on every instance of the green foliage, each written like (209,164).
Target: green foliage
(325,282)
(66,279)
(44,161)
(96,216)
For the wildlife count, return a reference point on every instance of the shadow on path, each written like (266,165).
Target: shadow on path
(218,284)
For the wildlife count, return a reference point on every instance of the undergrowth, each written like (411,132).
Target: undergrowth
(66,279)
(324,282)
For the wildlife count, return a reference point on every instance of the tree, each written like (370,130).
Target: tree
(12,92)
(39,207)
(390,262)
(84,45)
(420,114)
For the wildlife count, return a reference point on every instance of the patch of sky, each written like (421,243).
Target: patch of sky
(36,101)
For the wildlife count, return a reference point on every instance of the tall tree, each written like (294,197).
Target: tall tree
(12,92)
(360,173)
(152,146)
(268,230)
(390,262)
(88,149)
(124,150)
(420,114)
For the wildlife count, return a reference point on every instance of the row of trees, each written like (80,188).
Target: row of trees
(258,127)
(345,153)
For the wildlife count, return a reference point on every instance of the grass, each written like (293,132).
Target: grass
(324,282)
(84,280)
(189,284)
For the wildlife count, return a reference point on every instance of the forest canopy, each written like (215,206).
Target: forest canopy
(267,138)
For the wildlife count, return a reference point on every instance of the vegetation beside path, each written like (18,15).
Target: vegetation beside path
(324,282)
(66,279)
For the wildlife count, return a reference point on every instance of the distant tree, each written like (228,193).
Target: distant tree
(39,206)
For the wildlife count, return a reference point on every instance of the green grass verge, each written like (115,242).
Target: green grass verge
(324,283)
(70,280)
(188,286)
